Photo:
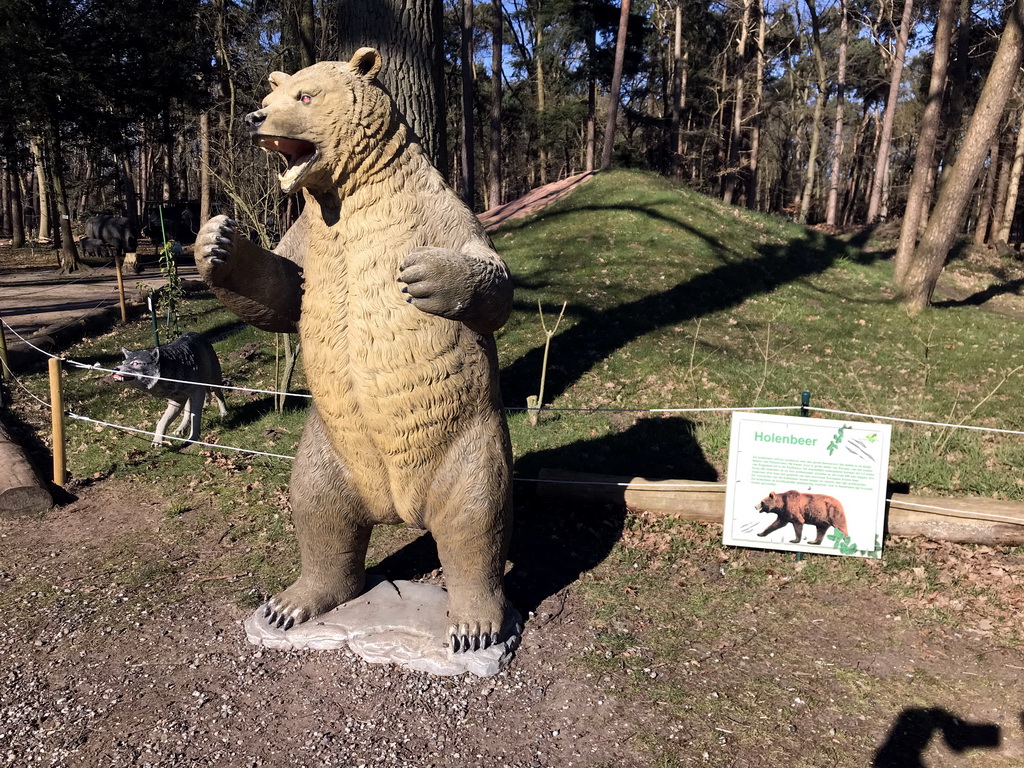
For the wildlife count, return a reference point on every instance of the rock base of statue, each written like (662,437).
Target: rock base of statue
(399,622)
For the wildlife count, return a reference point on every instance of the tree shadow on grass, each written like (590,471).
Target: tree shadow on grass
(554,541)
(980,297)
(600,333)
(913,730)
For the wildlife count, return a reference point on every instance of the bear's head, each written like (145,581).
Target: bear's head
(770,503)
(324,120)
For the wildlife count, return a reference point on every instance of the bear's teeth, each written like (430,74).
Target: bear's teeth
(290,175)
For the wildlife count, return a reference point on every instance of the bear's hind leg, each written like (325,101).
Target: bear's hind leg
(472,525)
(822,530)
(799,529)
(332,529)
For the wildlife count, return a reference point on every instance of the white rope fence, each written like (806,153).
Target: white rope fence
(78,417)
(639,486)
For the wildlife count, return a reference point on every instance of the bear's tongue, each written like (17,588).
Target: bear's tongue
(296,153)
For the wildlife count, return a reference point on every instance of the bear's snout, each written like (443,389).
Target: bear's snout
(255,119)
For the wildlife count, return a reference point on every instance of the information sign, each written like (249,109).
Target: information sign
(807,485)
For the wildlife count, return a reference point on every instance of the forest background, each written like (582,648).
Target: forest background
(841,113)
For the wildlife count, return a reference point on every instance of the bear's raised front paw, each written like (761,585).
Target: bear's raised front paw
(438,281)
(215,245)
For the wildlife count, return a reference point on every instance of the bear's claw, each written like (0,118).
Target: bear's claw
(463,640)
(279,619)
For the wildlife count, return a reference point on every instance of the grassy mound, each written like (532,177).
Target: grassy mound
(676,301)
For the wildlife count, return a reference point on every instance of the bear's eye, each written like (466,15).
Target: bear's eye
(305,98)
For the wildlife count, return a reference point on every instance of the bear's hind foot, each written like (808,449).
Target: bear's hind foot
(474,630)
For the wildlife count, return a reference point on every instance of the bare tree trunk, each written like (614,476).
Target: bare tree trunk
(204,168)
(613,96)
(958,78)
(755,125)
(735,134)
(408,33)
(305,28)
(36,147)
(988,193)
(851,192)
(832,207)
(496,194)
(17,206)
(5,200)
(168,157)
(677,92)
(885,142)
(542,141)
(1002,234)
(819,114)
(931,252)
(123,164)
(468,154)
(1002,187)
(930,124)
(591,122)
(68,253)
(83,196)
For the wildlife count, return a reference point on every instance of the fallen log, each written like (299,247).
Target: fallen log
(21,491)
(964,520)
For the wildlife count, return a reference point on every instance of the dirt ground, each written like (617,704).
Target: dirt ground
(170,680)
(119,651)
(118,648)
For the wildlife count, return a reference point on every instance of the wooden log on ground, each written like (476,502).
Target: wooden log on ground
(963,520)
(21,492)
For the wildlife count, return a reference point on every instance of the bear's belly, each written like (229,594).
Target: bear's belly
(394,387)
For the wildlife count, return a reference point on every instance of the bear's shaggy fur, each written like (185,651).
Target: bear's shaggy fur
(402,292)
(798,508)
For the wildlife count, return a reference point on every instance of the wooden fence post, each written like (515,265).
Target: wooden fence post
(57,414)
(120,285)
(4,370)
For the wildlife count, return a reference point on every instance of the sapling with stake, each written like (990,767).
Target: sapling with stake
(534,403)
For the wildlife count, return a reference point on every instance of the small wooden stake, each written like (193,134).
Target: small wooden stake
(57,415)
(5,372)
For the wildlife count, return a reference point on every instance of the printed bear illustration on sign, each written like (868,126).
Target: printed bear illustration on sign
(797,508)
(395,291)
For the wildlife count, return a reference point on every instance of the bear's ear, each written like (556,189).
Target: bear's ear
(277,79)
(366,62)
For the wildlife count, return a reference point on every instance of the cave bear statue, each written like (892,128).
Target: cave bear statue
(798,508)
(395,291)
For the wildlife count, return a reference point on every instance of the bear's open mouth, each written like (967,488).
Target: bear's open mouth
(299,156)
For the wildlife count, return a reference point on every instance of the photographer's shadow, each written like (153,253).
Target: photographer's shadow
(913,731)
